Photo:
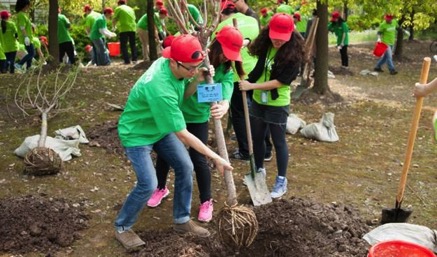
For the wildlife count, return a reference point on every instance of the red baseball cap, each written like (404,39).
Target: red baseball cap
(389,17)
(227,5)
(159,3)
(108,10)
(163,11)
(231,41)
(335,15)
(5,14)
(87,8)
(167,41)
(264,10)
(281,26)
(184,48)
(88,48)
(296,15)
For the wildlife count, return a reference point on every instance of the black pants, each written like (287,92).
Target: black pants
(10,61)
(344,57)
(239,123)
(126,37)
(203,172)
(67,48)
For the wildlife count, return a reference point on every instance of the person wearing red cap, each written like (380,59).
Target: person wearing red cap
(8,40)
(387,35)
(223,51)
(90,18)
(283,7)
(158,5)
(66,45)
(98,33)
(266,15)
(25,33)
(125,20)
(152,120)
(280,53)
(250,29)
(341,30)
(143,32)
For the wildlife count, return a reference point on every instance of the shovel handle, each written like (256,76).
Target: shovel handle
(412,135)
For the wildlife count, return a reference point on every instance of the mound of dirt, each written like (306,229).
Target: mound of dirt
(105,135)
(39,224)
(295,227)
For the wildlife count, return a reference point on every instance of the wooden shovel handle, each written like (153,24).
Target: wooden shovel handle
(413,132)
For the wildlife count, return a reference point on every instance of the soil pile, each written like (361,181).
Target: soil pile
(295,227)
(39,224)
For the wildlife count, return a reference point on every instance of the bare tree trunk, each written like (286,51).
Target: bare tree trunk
(399,40)
(152,40)
(321,65)
(53,33)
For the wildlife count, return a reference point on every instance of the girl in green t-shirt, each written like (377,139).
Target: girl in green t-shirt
(280,52)
(341,31)
(25,33)
(223,51)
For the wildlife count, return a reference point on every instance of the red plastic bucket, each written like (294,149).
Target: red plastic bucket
(379,49)
(114,48)
(398,248)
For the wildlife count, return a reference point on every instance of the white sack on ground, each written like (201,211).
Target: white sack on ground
(64,148)
(294,123)
(403,231)
(74,132)
(323,130)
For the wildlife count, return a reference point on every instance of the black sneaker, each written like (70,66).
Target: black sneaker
(378,69)
(239,156)
(393,72)
(268,157)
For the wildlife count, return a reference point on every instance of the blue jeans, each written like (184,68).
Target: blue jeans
(174,153)
(28,57)
(102,56)
(387,58)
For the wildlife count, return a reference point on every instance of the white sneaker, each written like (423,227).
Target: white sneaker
(280,187)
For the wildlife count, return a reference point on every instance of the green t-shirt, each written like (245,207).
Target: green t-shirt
(301,26)
(99,23)
(285,8)
(195,112)
(36,43)
(9,42)
(283,90)
(63,26)
(338,31)
(388,32)
(248,26)
(153,110)
(23,21)
(91,18)
(125,17)
(143,24)
(195,13)
(2,52)
(264,20)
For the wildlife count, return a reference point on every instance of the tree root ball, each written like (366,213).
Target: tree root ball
(237,226)
(42,161)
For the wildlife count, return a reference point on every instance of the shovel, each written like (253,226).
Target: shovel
(255,181)
(397,214)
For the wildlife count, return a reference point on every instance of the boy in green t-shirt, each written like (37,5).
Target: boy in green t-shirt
(387,35)
(65,41)
(98,33)
(25,34)
(152,120)
(124,18)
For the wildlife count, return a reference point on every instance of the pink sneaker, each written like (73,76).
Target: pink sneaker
(205,211)
(157,197)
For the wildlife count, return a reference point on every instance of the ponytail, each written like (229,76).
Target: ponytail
(3,26)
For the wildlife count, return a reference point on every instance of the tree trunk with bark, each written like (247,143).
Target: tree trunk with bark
(321,64)
(53,33)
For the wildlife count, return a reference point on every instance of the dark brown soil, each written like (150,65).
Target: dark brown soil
(39,224)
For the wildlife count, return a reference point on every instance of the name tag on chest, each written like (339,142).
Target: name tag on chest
(208,93)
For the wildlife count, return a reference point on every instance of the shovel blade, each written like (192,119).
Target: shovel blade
(395,215)
(259,193)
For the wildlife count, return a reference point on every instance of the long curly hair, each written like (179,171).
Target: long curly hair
(291,51)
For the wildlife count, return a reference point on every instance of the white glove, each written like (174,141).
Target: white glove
(379,40)
(339,47)
(113,35)
(27,41)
